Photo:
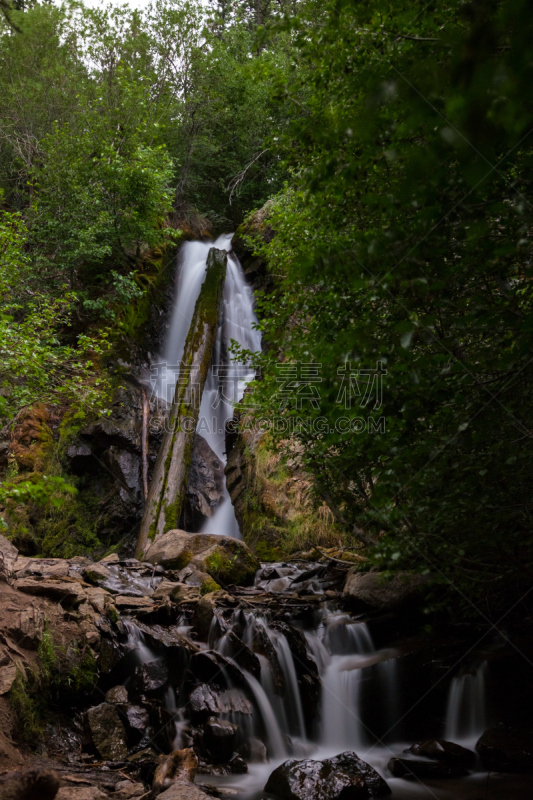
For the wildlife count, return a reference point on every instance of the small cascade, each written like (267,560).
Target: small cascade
(466,714)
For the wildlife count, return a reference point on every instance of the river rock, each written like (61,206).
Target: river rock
(423,770)
(446,752)
(373,590)
(242,654)
(227,560)
(209,666)
(117,695)
(108,733)
(506,750)
(306,671)
(180,765)
(31,785)
(96,573)
(136,719)
(150,677)
(81,793)
(182,790)
(206,701)
(219,738)
(344,777)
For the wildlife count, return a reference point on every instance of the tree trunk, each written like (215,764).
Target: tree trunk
(165,497)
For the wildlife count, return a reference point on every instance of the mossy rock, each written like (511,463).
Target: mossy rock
(226,560)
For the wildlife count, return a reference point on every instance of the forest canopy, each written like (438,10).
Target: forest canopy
(392,143)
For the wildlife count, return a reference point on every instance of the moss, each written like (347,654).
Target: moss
(208,586)
(182,560)
(28,712)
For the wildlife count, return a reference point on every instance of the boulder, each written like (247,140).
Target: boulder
(8,674)
(206,701)
(423,770)
(375,591)
(96,573)
(108,733)
(150,677)
(344,777)
(182,790)
(31,785)
(177,592)
(242,654)
(136,719)
(117,695)
(227,560)
(209,666)
(446,752)
(219,739)
(506,750)
(26,627)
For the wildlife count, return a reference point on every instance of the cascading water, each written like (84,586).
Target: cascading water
(466,715)
(226,380)
(269,707)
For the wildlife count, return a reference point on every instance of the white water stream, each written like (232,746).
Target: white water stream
(226,380)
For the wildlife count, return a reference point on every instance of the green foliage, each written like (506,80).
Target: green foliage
(62,677)
(404,238)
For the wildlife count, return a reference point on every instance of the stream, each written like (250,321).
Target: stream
(360,703)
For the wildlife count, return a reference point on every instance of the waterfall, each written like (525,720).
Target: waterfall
(465,715)
(226,379)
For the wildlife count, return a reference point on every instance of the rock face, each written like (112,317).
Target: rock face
(8,556)
(372,590)
(505,750)
(344,777)
(164,504)
(227,560)
(108,733)
(219,738)
(205,488)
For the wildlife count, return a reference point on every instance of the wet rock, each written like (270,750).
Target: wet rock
(110,655)
(254,750)
(136,720)
(205,488)
(506,750)
(412,769)
(227,560)
(30,785)
(264,647)
(219,738)
(180,765)
(209,666)
(176,592)
(205,701)
(205,611)
(242,654)
(8,557)
(150,677)
(107,731)
(96,573)
(344,777)
(117,695)
(237,765)
(446,752)
(372,590)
